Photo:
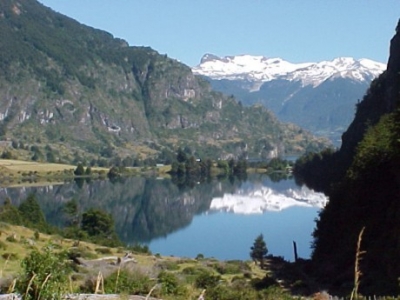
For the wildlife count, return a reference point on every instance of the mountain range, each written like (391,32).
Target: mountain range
(74,92)
(318,96)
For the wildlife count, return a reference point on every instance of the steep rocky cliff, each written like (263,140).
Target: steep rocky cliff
(381,98)
(366,194)
(81,90)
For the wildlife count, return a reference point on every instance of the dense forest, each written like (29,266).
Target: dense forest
(363,184)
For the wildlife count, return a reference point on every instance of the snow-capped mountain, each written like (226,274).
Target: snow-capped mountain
(318,96)
(262,69)
(266,199)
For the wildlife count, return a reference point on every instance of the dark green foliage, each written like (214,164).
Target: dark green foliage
(181,156)
(114,172)
(206,280)
(97,222)
(259,250)
(10,214)
(240,168)
(88,171)
(6,155)
(224,166)
(365,192)
(79,171)
(170,284)
(319,170)
(131,283)
(32,215)
(366,196)
(70,209)
(277,164)
(47,274)
(99,226)
(231,267)
(50,157)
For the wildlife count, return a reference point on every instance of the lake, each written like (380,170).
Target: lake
(218,219)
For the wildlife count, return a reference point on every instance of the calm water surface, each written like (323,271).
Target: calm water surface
(219,219)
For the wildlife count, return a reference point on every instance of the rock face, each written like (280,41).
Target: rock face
(381,98)
(367,193)
(66,84)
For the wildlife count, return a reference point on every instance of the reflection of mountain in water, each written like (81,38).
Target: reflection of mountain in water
(142,208)
(262,198)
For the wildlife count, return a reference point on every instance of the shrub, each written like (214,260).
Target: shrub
(206,280)
(127,283)
(103,250)
(45,275)
(233,267)
(170,284)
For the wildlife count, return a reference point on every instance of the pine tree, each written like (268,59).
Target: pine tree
(31,214)
(259,250)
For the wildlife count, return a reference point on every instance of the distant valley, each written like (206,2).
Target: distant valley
(320,97)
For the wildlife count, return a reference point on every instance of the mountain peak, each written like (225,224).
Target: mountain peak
(208,57)
(263,69)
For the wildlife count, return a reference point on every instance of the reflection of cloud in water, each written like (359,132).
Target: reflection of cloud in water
(262,199)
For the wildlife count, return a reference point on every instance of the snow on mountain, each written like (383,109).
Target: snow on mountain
(262,69)
(266,199)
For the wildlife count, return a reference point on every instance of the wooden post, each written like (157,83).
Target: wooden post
(295,251)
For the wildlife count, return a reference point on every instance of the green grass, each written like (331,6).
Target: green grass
(24,241)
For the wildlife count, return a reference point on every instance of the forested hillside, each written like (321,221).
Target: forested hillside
(363,184)
(74,91)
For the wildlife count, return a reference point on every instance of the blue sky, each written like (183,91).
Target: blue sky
(295,30)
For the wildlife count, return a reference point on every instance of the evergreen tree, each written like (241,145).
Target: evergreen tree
(32,215)
(9,213)
(259,250)
(181,156)
(79,171)
(96,223)
(88,171)
(72,212)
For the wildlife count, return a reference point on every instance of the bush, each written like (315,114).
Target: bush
(206,280)
(170,284)
(232,267)
(45,274)
(103,250)
(79,171)
(127,283)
